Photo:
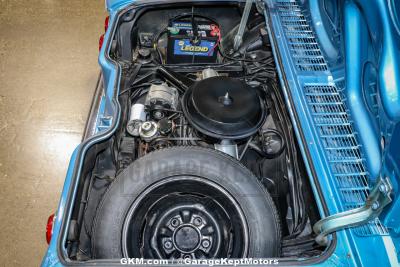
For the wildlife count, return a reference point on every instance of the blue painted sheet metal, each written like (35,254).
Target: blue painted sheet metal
(367,39)
(355,36)
(348,247)
(327,125)
(376,41)
(51,257)
(328,111)
(117,4)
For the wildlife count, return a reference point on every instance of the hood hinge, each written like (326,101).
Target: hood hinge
(376,201)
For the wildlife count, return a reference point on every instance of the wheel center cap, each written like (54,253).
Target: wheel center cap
(187,238)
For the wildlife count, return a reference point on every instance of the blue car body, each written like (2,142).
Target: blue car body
(347,58)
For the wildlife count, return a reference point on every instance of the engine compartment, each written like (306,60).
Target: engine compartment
(186,86)
(214,111)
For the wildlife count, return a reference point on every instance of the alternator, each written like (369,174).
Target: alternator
(160,100)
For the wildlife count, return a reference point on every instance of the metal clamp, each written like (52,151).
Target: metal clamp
(376,201)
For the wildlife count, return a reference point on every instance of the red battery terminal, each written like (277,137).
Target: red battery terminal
(214,30)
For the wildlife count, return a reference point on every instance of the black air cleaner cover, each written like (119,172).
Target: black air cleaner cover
(224,108)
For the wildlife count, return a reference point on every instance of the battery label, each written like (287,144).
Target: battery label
(188,26)
(184,47)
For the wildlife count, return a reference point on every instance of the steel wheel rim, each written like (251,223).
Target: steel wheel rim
(221,229)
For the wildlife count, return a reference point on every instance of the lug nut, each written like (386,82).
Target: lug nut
(168,245)
(174,222)
(198,221)
(205,243)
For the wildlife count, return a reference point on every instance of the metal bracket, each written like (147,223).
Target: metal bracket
(104,122)
(376,201)
(239,36)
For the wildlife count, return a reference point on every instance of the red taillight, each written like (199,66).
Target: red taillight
(49,228)
(106,21)
(101,41)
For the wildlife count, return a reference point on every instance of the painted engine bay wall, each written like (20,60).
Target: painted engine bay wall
(361,42)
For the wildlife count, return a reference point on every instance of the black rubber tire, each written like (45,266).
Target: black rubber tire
(257,205)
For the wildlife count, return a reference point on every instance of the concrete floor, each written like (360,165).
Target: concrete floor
(48,71)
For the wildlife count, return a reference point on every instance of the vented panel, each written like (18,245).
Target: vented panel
(303,45)
(341,148)
(329,113)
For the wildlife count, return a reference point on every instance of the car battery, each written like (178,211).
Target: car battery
(181,49)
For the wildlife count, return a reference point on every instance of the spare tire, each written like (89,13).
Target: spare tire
(186,202)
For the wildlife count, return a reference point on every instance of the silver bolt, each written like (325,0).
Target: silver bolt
(158,115)
(383,188)
(375,205)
